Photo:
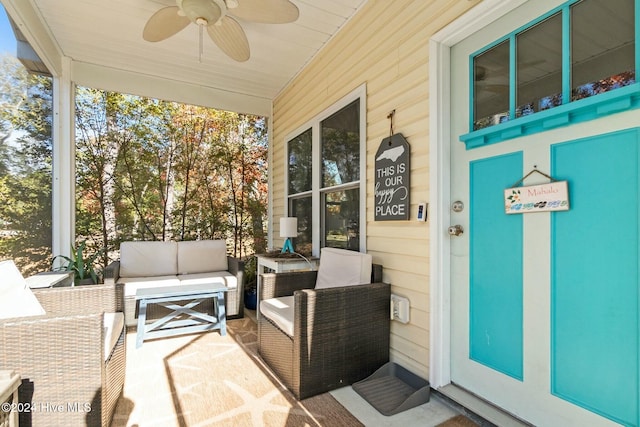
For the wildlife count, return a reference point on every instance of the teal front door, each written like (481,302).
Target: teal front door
(545,318)
(594,276)
(545,305)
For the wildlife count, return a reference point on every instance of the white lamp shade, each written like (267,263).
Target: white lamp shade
(288,227)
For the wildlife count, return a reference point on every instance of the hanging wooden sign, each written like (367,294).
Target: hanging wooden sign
(392,174)
(552,196)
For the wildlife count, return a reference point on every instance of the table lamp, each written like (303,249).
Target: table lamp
(288,229)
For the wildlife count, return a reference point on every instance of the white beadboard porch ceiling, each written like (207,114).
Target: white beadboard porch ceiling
(108,33)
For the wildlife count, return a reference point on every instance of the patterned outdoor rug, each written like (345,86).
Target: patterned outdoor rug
(210,380)
(458,421)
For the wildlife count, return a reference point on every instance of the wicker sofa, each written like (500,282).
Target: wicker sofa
(338,335)
(157,264)
(71,358)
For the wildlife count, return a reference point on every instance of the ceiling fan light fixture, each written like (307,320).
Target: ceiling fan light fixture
(219,19)
(201,12)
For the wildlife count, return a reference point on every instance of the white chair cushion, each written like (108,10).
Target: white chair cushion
(132,284)
(142,259)
(16,299)
(10,277)
(340,267)
(223,277)
(202,256)
(113,326)
(280,312)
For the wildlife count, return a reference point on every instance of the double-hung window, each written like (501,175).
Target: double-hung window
(325,178)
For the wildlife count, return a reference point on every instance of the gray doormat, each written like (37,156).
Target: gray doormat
(393,389)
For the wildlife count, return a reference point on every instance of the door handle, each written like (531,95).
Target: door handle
(455,230)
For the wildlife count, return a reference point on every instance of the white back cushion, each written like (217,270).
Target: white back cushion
(340,267)
(142,259)
(16,299)
(202,256)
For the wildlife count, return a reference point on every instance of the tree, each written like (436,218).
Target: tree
(157,170)
(25,166)
(146,169)
(98,141)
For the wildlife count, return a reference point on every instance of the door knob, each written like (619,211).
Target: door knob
(455,230)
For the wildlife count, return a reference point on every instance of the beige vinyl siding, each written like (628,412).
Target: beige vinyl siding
(386,47)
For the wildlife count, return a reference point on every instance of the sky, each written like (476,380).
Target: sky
(7,40)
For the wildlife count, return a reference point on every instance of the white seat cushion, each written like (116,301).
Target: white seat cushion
(202,256)
(340,267)
(16,298)
(132,284)
(113,326)
(143,259)
(280,312)
(223,277)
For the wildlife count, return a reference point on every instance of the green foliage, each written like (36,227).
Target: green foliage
(155,170)
(250,275)
(146,169)
(25,166)
(80,263)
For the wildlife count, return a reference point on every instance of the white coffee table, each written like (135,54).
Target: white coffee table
(181,300)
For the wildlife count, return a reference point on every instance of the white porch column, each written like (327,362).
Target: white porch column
(63,218)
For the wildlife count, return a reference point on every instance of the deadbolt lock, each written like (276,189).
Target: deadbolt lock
(457,206)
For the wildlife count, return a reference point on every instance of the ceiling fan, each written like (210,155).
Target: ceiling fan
(217,16)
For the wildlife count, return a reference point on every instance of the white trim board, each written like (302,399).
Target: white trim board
(440,44)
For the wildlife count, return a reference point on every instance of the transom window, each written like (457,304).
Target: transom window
(579,50)
(325,167)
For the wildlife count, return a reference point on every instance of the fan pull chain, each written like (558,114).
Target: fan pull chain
(200,48)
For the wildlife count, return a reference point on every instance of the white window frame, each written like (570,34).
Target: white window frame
(316,193)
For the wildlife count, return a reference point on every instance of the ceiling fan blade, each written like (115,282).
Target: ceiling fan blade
(266,11)
(230,38)
(163,24)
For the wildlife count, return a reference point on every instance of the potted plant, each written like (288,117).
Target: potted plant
(250,283)
(80,264)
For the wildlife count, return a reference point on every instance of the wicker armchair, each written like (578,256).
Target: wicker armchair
(341,335)
(61,357)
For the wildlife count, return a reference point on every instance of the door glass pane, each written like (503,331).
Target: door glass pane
(539,66)
(299,155)
(602,46)
(301,209)
(340,146)
(342,219)
(491,87)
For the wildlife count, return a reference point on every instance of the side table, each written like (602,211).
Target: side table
(279,265)
(50,279)
(9,383)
